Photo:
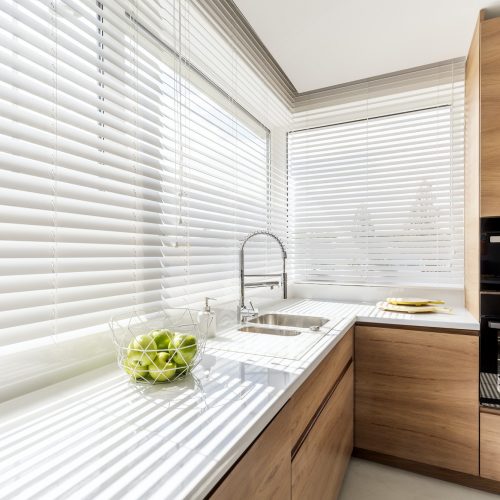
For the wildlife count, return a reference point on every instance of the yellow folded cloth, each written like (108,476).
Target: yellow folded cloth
(387,306)
(412,301)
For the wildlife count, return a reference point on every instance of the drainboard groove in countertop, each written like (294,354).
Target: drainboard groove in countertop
(261,344)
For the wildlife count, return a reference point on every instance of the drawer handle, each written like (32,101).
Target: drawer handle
(493,324)
(494,239)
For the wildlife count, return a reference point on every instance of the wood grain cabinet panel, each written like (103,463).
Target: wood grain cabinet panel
(319,466)
(471,184)
(417,396)
(490,111)
(308,398)
(264,471)
(490,446)
(482,146)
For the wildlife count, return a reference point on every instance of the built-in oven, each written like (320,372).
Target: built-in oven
(490,311)
(490,254)
(490,360)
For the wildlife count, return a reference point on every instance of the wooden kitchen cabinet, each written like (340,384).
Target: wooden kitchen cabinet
(264,470)
(482,146)
(490,444)
(319,465)
(416,395)
(482,127)
(305,450)
(490,110)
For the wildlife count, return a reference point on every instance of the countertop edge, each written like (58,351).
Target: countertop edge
(418,322)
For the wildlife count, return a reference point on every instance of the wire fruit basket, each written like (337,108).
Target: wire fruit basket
(158,348)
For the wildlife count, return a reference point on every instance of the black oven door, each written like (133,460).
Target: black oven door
(490,254)
(490,360)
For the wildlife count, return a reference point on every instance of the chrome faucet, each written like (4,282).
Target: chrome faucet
(246,313)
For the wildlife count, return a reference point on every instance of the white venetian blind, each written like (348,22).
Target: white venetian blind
(81,181)
(128,176)
(377,182)
(216,194)
(216,187)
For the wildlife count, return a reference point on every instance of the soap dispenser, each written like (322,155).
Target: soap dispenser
(206,319)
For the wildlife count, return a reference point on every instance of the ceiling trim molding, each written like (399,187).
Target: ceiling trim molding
(301,97)
(231,21)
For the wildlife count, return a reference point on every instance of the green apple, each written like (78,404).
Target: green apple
(161,359)
(145,346)
(135,369)
(181,340)
(185,349)
(162,338)
(143,343)
(141,357)
(162,370)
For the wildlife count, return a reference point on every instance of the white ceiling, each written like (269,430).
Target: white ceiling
(320,43)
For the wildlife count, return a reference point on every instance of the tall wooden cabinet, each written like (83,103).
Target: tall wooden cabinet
(482,195)
(482,146)
(489,56)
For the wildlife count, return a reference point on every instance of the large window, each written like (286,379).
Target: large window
(129,177)
(378,201)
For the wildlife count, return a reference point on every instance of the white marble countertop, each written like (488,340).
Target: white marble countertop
(97,436)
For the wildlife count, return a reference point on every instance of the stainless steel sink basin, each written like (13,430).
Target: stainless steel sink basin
(290,320)
(270,331)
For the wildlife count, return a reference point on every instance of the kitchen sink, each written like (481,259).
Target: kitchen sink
(290,320)
(270,331)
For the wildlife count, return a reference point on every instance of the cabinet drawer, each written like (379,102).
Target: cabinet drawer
(309,397)
(490,445)
(318,467)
